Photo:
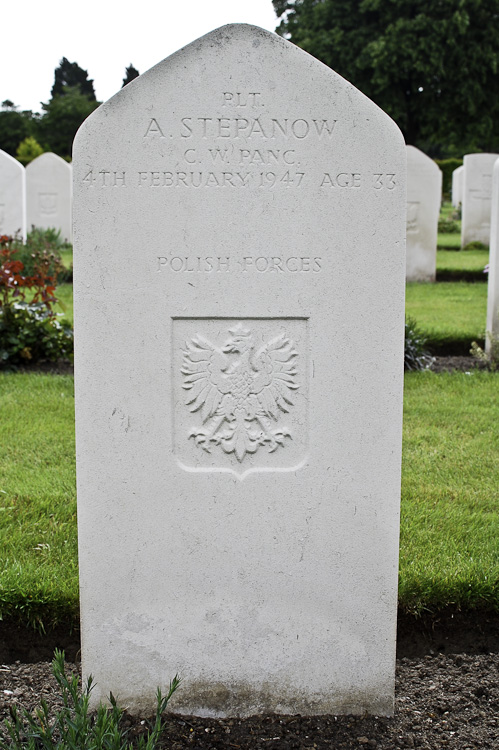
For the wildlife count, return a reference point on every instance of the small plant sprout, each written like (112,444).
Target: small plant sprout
(416,357)
(73,727)
(489,355)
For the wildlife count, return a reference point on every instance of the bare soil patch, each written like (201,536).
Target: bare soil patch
(442,701)
(447,693)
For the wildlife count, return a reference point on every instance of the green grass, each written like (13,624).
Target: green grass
(451,241)
(38,568)
(67,257)
(450,508)
(450,519)
(64,294)
(464,265)
(464,260)
(451,314)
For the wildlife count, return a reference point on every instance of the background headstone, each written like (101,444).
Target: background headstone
(492,327)
(12,196)
(477,190)
(457,186)
(239,218)
(48,194)
(424,195)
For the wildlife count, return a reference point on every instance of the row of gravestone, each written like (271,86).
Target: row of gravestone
(39,195)
(475,187)
(471,188)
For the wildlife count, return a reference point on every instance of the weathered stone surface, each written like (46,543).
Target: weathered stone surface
(12,196)
(424,195)
(457,186)
(492,327)
(239,314)
(48,194)
(477,188)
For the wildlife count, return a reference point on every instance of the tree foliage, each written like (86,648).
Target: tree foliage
(62,117)
(69,76)
(15,126)
(434,67)
(130,74)
(28,150)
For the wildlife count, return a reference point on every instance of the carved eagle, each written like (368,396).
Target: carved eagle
(240,391)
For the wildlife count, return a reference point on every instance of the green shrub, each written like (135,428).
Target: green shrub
(47,243)
(476,246)
(72,727)
(29,332)
(28,150)
(448,226)
(416,356)
(29,329)
(448,166)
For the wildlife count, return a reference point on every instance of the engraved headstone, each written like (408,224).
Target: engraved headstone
(477,190)
(48,194)
(424,193)
(457,186)
(492,327)
(12,196)
(239,217)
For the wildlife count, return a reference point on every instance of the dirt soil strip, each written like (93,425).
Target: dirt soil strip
(443,701)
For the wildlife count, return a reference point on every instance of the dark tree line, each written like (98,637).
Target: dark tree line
(432,66)
(72,100)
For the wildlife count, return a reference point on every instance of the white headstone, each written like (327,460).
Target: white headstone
(457,186)
(48,194)
(12,196)
(424,194)
(492,327)
(477,190)
(239,217)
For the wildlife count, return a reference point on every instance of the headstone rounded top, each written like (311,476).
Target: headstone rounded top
(486,156)
(45,160)
(415,155)
(8,159)
(246,50)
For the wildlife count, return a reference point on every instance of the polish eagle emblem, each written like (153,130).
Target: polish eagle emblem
(240,390)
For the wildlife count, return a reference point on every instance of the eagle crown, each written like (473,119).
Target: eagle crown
(241,342)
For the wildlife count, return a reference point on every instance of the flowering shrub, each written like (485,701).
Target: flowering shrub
(29,328)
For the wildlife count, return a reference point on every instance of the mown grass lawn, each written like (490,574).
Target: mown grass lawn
(450,491)
(38,551)
(451,314)
(462,260)
(450,498)
(449,240)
